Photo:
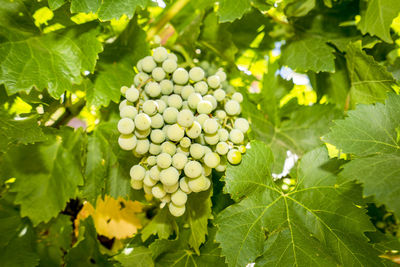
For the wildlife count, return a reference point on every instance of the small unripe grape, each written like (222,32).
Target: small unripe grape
(202,118)
(187,91)
(242,125)
(207,184)
(128,112)
(194,130)
(158,74)
(157,136)
(148,64)
(236,136)
(183,150)
(238,97)
(242,149)
(207,170)
(201,87)
(153,89)
(158,191)
(211,159)
(170,115)
(179,198)
(178,89)
(211,139)
(201,140)
(198,184)
(165,129)
(127,142)
(139,66)
(147,190)
(137,185)
(161,105)
(210,126)
(193,100)
(220,114)
(167,87)
(164,160)
(150,107)
(184,186)
(173,57)
(234,156)
(157,121)
(123,90)
(137,172)
(124,103)
(160,54)
(212,100)
(196,74)
(171,188)
(168,147)
(155,172)
(164,98)
(169,65)
(142,121)
(185,118)
(223,135)
(151,161)
(213,81)
(166,198)
(180,76)
(154,149)
(221,167)
(132,94)
(196,151)
(219,95)
(175,101)
(232,107)
(185,142)
(140,78)
(169,176)
(126,126)
(175,133)
(193,169)
(148,181)
(142,134)
(204,107)
(222,148)
(179,161)
(221,74)
(142,146)
(176,211)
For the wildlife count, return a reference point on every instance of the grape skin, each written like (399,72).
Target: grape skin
(169,176)
(127,142)
(185,118)
(142,121)
(176,211)
(126,126)
(175,133)
(137,172)
(193,169)
(164,160)
(180,76)
(179,198)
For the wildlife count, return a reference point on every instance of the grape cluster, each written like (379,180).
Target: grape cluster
(182,124)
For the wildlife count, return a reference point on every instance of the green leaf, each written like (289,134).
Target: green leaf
(308,54)
(370,81)
(21,131)
(55,4)
(370,132)
(230,10)
(47,174)
(138,257)
(87,251)
(108,9)
(53,239)
(163,225)
(10,223)
(54,61)
(378,17)
(177,253)
(198,211)
(299,8)
(115,67)
(315,224)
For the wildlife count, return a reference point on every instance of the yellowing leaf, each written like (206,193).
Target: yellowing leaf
(113,218)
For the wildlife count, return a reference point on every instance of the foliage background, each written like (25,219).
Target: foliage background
(320,79)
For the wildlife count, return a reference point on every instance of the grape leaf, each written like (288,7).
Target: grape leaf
(49,176)
(177,252)
(86,252)
(22,131)
(230,10)
(298,8)
(54,61)
(10,222)
(54,4)
(370,132)
(163,225)
(309,54)
(53,239)
(139,256)
(378,17)
(370,81)
(317,223)
(198,211)
(115,66)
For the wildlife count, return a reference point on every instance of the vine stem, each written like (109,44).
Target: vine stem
(172,11)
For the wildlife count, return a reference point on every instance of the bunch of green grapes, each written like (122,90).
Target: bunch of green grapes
(182,124)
